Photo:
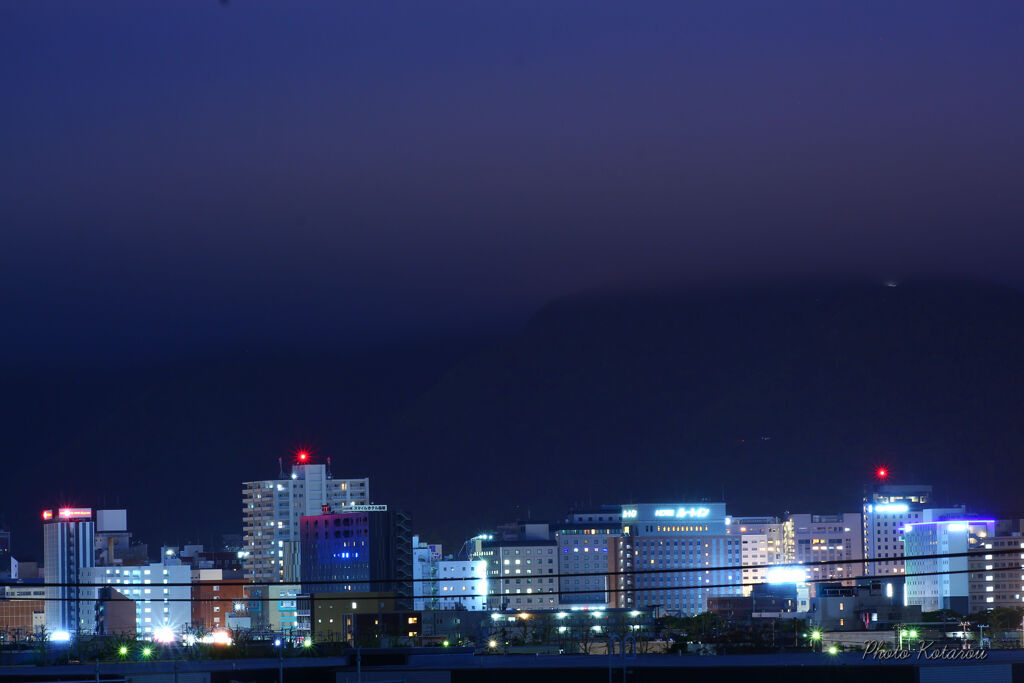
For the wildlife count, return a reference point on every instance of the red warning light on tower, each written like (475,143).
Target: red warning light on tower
(302,455)
(882,473)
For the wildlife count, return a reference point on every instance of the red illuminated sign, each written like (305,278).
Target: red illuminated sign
(47,514)
(75,513)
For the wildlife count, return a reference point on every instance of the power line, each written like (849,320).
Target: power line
(626,572)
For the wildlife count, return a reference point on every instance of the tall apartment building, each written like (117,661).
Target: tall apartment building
(887,509)
(762,542)
(68,550)
(659,538)
(272,508)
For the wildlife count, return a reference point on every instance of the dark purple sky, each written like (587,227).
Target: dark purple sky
(189,174)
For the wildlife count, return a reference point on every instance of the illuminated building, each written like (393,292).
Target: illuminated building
(441,583)
(214,597)
(68,550)
(273,608)
(582,549)
(828,538)
(113,540)
(272,508)
(158,601)
(762,542)
(658,538)
(995,579)
(887,509)
(368,550)
(523,573)
(936,535)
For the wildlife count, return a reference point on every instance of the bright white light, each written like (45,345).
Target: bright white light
(634,613)
(958,526)
(892,507)
(60,636)
(561,615)
(164,634)
(277,642)
(786,575)
(495,616)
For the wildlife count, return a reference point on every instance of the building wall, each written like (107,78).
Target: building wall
(831,537)
(761,543)
(18,618)
(950,589)
(359,552)
(523,575)
(995,580)
(583,559)
(272,508)
(887,508)
(214,597)
(332,614)
(685,536)
(156,605)
(68,551)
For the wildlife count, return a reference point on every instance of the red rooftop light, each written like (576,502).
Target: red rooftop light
(882,473)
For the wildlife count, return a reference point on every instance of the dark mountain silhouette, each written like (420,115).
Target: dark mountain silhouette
(782,398)
(779,398)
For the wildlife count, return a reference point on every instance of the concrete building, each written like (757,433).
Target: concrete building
(659,538)
(865,606)
(113,540)
(446,583)
(887,508)
(523,574)
(273,608)
(22,609)
(994,579)
(272,508)
(115,614)
(940,534)
(161,592)
(214,597)
(582,547)
(828,538)
(368,550)
(333,617)
(762,542)
(68,552)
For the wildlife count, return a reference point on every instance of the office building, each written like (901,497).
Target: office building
(68,551)
(273,608)
(868,605)
(887,509)
(368,550)
(8,565)
(522,573)
(272,508)
(761,543)
(943,582)
(444,583)
(582,549)
(668,553)
(161,593)
(833,538)
(995,578)
(214,597)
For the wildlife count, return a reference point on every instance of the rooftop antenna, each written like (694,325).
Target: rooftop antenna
(280,467)
(329,475)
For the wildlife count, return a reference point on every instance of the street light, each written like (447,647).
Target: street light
(307,643)
(146,652)
(492,644)
(123,651)
(833,650)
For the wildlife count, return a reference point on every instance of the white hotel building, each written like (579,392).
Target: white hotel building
(272,508)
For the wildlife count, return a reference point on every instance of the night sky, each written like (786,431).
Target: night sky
(192,178)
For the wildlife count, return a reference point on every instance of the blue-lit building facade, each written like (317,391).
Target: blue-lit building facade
(887,509)
(950,589)
(369,550)
(659,538)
